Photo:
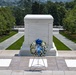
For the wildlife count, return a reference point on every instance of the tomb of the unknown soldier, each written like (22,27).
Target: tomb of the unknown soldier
(38,27)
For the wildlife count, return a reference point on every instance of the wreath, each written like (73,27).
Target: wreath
(38,48)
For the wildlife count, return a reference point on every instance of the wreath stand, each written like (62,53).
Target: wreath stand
(38,63)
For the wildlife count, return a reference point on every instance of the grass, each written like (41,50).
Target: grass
(17,45)
(71,37)
(59,45)
(4,37)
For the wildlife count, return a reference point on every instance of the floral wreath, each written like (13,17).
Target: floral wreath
(38,48)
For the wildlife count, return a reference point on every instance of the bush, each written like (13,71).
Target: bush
(7,21)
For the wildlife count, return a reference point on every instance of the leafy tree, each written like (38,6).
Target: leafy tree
(70,5)
(35,8)
(23,8)
(7,21)
(41,7)
(45,11)
(19,15)
(70,21)
(2,25)
(56,9)
(53,10)
(61,12)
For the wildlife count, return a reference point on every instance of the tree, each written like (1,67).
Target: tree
(35,8)
(3,24)
(70,21)
(56,9)
(70,5)
(7,21)
(61,12)
(23,8)
(53,10)
(45,11)
(19,15)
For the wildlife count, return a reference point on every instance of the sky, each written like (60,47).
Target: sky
(43,0)
(59,0)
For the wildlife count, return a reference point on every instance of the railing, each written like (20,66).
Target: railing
(57,26)
(21,26)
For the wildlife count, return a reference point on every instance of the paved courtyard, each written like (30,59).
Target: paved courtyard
(21,72)
(54,63)
(20,65)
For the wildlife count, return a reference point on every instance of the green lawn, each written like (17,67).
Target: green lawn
(17,45)
(59,45)
(2,38)
(71,37)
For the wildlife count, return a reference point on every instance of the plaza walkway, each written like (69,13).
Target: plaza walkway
(12,53)
(5,44)
(21,72)
(20,65)
(66,41)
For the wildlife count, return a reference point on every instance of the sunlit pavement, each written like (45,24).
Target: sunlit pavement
(19,65)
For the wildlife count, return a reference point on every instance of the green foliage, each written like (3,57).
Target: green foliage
(3,24)
(35,8)
(19,15)
(70,21)
(67,35)
(53,10)
(23,8)
(4,37)
(17,45)
(6,20)
(61,12)
(59,45)
(70,5)
(58,10)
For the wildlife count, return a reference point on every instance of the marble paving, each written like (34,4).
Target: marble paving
(22,63)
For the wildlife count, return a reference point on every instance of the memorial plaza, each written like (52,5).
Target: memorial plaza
(19,65)
(47,60)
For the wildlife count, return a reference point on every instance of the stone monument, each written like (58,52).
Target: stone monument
(38,27)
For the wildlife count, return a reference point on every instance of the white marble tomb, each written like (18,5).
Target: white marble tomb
(38,27)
